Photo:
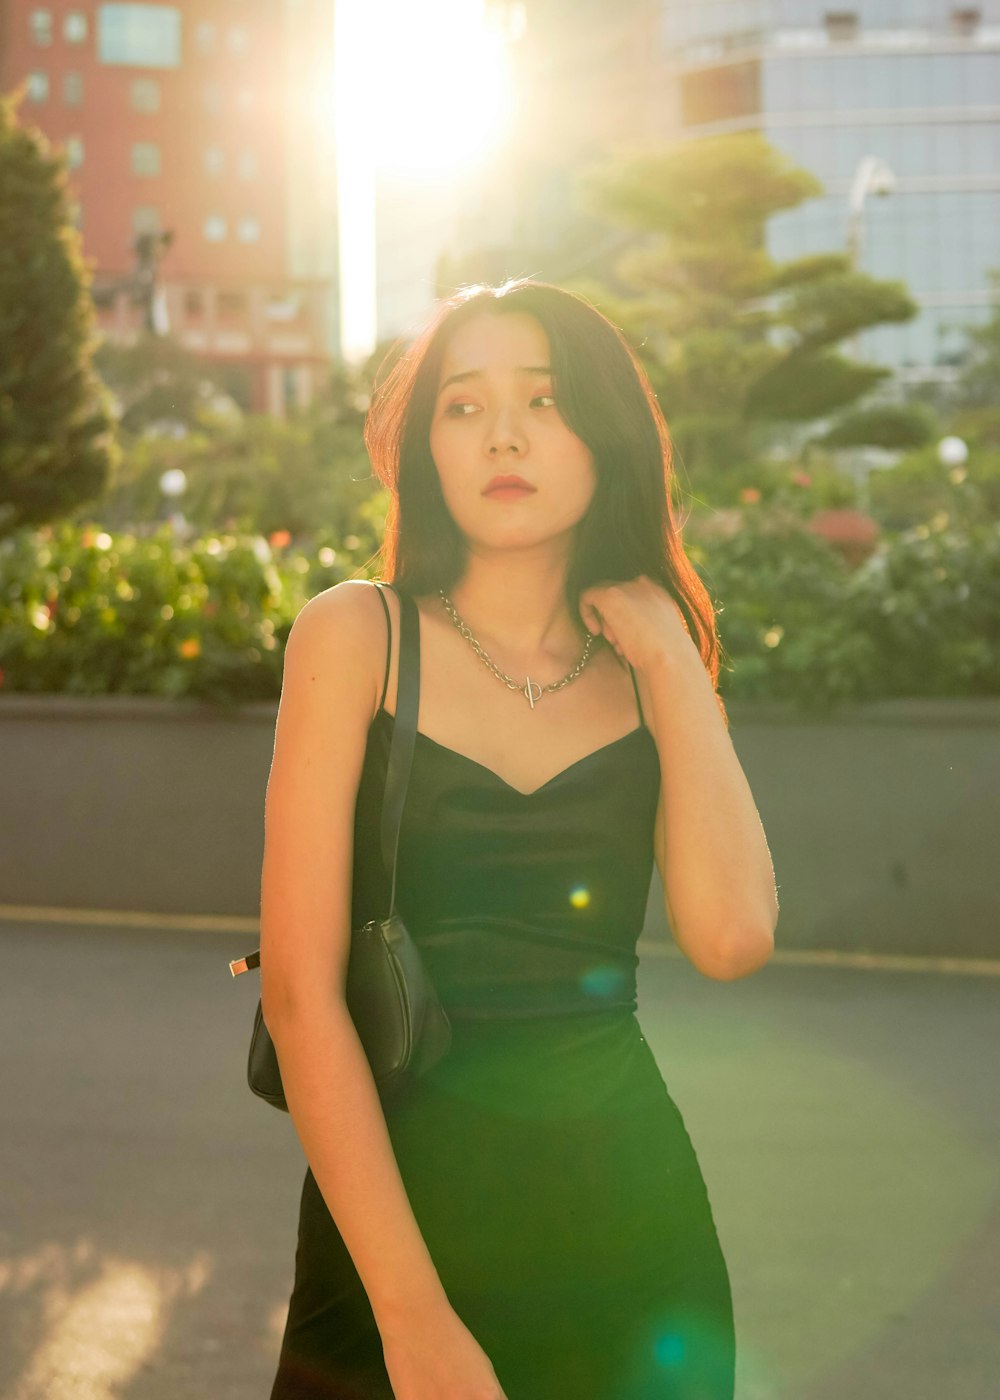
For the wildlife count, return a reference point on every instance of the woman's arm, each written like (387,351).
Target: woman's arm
(709,842)
(328,699)
(333,668)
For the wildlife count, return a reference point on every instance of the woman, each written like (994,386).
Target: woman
(529,1221)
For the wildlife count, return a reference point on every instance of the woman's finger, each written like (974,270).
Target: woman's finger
(591,618)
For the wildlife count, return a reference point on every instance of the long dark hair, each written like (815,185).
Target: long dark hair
(605,398)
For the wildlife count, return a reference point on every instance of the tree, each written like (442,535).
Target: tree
(57,442)
(738,348)
(155,381)
(980,374)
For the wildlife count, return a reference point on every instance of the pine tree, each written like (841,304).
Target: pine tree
(57,444)
(741,350)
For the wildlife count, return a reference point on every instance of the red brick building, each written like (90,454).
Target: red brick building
(204,119)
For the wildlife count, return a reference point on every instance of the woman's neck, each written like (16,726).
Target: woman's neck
(516,598)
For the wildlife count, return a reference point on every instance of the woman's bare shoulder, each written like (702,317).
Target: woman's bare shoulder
(340,635)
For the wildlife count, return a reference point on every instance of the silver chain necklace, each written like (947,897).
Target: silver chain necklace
(531,690)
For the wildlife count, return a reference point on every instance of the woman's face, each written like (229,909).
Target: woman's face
(495,415)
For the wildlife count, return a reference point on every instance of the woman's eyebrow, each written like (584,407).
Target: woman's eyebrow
(465,374)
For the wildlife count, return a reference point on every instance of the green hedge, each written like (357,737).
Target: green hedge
(917,618)
(88,612)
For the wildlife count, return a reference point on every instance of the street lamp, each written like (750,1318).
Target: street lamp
(173,484)
(149,248)
(872,176)
(953,452)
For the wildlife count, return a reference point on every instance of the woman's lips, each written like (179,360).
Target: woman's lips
(510,493)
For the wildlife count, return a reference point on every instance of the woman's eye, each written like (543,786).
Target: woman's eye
(457,410)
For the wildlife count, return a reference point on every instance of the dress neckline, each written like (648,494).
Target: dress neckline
(520,792)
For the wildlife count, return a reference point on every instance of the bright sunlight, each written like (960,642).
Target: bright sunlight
(419,90)
(432,91)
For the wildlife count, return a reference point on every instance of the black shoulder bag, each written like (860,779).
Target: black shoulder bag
(395,1009)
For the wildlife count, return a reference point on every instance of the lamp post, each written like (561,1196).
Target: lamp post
(147,292)
(872,176)
(173,484)
(953,453)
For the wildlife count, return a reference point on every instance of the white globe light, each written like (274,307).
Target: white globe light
(952,452)
(173,482)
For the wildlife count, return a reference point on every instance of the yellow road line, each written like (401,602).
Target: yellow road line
(832,957)
(129,918)
(648,947)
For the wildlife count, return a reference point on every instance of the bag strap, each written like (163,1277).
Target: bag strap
(404,732)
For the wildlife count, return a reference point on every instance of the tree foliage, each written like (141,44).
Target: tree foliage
(56,425)
(156,381)
(737,346)
(979,382)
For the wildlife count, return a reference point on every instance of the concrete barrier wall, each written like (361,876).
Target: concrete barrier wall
(883,822)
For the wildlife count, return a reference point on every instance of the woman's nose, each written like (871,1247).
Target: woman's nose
(505,432)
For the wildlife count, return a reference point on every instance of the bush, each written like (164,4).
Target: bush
(929,604)
(90,613)
(87,612)
(255,475)
(918,618)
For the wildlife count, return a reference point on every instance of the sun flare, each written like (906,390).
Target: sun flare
(429,87)
(419,93)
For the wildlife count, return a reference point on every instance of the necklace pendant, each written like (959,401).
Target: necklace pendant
(532,690)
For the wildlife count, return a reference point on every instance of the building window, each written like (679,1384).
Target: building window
(239,39)
(139,36)
(214,228)
(194,304)
(214,160)
(145,219)
(205,37)
(246,100)
(41,27)
(249,167)
(231,304)
(283,306)
(74,152)
(841,25)
(248,229)
(38,86)
(211,96)
(75,27)
(73,89)
(145,158)
(75,209)
(145,95)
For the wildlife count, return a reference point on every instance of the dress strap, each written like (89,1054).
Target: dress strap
(388,649)
(636,689)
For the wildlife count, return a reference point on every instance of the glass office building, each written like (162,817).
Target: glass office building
(915,83)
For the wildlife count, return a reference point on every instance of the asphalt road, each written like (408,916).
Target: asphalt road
(847,1121)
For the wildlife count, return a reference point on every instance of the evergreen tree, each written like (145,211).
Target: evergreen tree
(56,423)
(978,385)
(741,350)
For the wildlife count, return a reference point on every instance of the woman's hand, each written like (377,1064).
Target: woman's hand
(639,619)
(435,1357)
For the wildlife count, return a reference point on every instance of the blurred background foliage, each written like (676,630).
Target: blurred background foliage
(91,612)
(849,558)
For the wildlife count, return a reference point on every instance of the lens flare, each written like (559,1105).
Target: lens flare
(602,981)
